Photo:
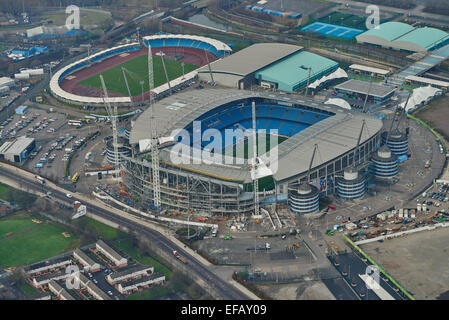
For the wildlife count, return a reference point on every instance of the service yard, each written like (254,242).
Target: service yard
(419,262)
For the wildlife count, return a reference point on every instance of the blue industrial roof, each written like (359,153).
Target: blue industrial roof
(428,38)
(288,71)
(389,30)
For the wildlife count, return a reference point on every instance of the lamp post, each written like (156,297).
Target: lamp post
(141,85)
(308,77)
(188,227)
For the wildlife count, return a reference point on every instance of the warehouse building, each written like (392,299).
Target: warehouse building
(143,282)
(271,65)
(134,272)
(7,82)
(356,88)
(18,150)
(89,264)
(59,291)
(111,254)
(292,72)
(404,37)
(96,292)
(52,32)
(237,70)
(421,81)
(42,267)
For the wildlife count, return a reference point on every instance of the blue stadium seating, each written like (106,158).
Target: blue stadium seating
(289,121)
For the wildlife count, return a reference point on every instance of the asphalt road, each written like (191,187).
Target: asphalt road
(226,290)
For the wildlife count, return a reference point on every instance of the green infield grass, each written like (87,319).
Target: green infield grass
(137,70)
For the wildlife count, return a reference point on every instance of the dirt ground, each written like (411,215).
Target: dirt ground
(436,114)
(419,262)
(308,290)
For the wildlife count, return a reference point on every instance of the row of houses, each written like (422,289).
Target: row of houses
(111,254)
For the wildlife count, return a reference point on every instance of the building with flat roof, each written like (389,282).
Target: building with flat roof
(21,109)
(133,272)
(17,150)
(142,282)
(111,254)
(371,71)
(404,37)
(59,291)
(427,81)
(292,72)
(237,70)
(358,88)
(89,264)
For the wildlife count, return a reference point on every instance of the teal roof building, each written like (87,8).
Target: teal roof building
(404,37)
(291,73)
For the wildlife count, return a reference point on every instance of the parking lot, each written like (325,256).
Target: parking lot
(55,140)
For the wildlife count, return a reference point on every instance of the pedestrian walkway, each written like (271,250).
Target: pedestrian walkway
(428,62)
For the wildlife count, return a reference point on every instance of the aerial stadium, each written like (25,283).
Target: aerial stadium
(175,57)
(317,142)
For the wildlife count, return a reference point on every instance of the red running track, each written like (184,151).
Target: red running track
(190,55)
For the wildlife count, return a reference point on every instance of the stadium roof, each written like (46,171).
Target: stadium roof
(426,38)
(389,30)
(220,46)
(364,87)
(292,70)
(334,135)
(251,59)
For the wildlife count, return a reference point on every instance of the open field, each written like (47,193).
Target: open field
(13,195)
(138,71)
(436,115)
(87,17)
(105,231)
(31,242)
(418,262)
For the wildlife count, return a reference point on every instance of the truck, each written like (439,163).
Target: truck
(179,257)
(40,179)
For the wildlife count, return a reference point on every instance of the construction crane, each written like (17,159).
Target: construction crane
(113,117)
(367,94)
(161,54)
(394,116)
(358,142)
(212,82)
(315,148)
(255,165)
(154,140)
(401,115)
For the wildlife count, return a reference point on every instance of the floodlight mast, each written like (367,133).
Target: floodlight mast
(154,139)
(126,82)
(113,117)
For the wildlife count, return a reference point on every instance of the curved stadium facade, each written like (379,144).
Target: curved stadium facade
(223,188)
